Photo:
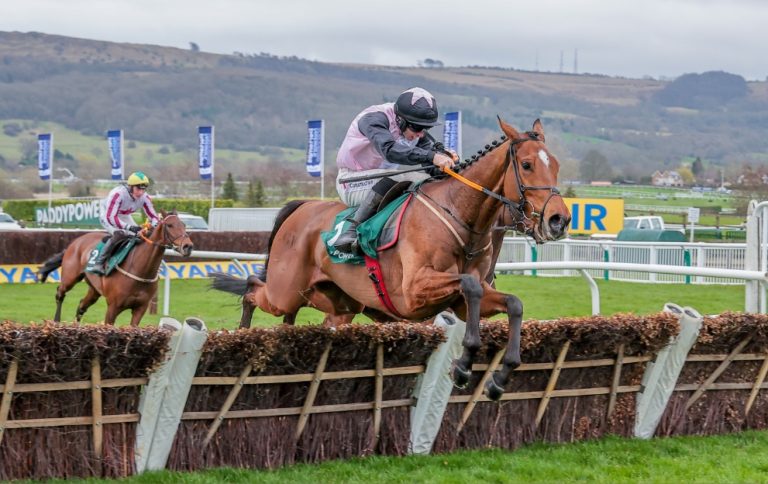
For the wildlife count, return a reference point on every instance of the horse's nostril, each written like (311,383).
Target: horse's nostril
(556,223)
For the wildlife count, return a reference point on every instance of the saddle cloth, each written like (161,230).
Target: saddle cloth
(377,233)
(118,255)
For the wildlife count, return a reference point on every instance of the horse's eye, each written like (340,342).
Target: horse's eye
(526,165)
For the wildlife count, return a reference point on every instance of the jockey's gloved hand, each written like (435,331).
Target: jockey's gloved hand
(442,160)
(135,229)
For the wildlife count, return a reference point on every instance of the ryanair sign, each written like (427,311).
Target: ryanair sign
(595,215)
(25,273)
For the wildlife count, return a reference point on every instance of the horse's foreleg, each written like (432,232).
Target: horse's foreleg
(492,303)
(137,313)
(111,315)
(473,292)
(90,297)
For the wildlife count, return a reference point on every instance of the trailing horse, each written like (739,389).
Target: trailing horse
(442,257)
(134,281)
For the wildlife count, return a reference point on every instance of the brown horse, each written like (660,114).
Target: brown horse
(442,257)
(237,285)
(132,284)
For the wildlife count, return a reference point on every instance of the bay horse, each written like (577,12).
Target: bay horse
(442,257)
(132,284)
(237,285)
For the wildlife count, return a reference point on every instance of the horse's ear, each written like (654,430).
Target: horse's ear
(538,129)
(163,213)
(508,130)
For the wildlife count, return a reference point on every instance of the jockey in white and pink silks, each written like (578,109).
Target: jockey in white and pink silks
(116,210)
(385,138)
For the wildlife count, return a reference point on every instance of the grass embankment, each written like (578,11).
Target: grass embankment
(543,298)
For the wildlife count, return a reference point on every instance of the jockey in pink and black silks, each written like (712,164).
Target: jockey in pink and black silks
(117,208)
(385,138)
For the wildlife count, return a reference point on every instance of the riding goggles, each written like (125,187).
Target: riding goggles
(416,128)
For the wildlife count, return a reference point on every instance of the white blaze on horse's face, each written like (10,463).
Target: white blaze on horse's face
(544,157)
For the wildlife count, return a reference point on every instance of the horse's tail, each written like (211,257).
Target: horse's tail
(282,215)
(227,283)
(53,263)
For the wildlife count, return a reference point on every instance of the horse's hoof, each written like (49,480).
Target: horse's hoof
(461,376)
(492,390)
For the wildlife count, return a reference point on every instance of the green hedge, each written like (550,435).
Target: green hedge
(25,209)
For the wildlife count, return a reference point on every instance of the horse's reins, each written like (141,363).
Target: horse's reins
(516,209)
(167,244)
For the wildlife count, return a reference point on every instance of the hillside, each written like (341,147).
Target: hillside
(258,102)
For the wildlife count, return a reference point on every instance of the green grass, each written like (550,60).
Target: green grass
(543,298)
(739,457)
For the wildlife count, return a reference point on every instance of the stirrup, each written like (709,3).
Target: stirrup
(347,247)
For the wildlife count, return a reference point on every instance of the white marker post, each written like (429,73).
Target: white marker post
(693,218)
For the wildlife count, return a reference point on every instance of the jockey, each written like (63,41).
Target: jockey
(116,212)
(384,138)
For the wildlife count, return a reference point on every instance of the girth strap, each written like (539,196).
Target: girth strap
(374,273)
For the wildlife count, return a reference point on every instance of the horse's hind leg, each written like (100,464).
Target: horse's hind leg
(61,292)
(60,295)
(90,297)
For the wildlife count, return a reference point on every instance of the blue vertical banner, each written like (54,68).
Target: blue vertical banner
(45,155)
(452,132)
(115,145)
(315,147)
(205,134)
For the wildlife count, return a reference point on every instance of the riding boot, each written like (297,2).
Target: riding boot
(101,260)
(347,241)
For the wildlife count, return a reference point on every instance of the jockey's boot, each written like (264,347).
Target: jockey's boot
(101,260)
(347,241)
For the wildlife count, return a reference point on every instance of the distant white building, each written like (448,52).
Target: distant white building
(666,179)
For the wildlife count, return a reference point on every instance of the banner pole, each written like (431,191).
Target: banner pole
(50,178)
(322,162)
(213,164)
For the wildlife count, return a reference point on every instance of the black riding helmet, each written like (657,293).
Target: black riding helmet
(417,106)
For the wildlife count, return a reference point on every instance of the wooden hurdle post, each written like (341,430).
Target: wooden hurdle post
(5,403)
(312,393)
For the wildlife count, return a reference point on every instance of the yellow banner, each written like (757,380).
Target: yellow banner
(595,215)
(25,273)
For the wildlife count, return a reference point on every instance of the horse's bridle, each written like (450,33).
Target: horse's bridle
(167,242)
(517,210)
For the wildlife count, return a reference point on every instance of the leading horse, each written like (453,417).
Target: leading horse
(443,254)
(132,284)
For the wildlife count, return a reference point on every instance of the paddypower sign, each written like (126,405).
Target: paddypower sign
(80,214)
(595,215)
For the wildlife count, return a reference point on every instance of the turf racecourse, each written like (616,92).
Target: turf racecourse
(543,298)
(739,457)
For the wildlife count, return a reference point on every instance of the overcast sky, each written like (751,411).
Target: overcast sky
(632,38)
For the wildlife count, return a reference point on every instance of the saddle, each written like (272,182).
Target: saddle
(119,253)
(375,234)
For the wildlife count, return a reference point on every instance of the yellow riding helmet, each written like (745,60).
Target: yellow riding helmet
(138,178)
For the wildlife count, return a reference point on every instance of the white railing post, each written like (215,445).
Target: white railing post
(166,290)
(752,257)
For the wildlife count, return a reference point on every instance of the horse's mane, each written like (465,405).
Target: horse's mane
(480,153)
(283,214)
